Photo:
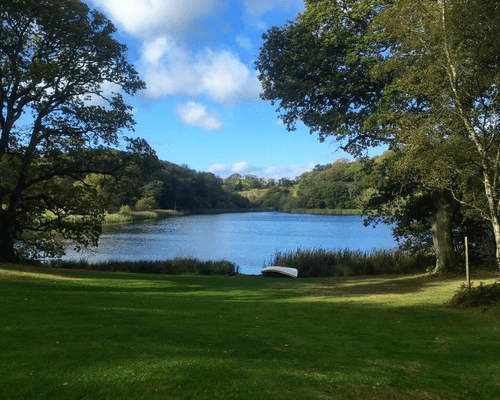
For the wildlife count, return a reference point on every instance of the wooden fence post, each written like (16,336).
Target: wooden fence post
(467,262)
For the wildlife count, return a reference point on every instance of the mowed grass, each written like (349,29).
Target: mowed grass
(90,335)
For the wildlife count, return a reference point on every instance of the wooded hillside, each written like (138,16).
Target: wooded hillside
(343,186)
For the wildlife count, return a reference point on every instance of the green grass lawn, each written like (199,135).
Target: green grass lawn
(88,335)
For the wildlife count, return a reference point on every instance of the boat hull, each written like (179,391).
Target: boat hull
(280,271)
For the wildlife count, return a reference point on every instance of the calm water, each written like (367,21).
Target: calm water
(247,239)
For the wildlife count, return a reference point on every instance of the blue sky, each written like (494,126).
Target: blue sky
(201,106)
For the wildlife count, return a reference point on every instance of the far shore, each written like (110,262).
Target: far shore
(124,217)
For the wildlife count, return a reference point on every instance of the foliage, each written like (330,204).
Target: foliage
(479,296)
(318,68)
(322,263)
(443,93)
(146,204)
(58,124)
(408,73)
(342,185)
(187,190)
(152,184)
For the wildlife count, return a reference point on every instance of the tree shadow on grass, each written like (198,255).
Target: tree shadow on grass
(381,289)
(370,286)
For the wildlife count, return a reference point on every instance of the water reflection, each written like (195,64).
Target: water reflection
(247,239)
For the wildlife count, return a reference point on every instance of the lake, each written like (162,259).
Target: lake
(246,239)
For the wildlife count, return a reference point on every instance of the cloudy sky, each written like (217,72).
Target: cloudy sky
(202,106)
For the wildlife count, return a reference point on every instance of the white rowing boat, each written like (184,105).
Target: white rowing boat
(280,271)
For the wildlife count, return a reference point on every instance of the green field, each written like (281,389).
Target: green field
(89,335)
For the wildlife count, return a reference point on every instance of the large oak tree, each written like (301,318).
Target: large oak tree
(58,123)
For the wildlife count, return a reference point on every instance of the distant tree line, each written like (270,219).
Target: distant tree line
(342,185)
(150,183)
(154,184)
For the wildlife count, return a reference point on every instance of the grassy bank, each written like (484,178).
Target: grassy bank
(89,335)
(124,217)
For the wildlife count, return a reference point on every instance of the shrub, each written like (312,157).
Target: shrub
(146,204)
(125,209)
(480,296)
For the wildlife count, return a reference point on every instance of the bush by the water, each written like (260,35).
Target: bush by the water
(322,263)
(174,266)
(480,296)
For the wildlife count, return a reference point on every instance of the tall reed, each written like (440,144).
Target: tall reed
(174,266)
(323,263)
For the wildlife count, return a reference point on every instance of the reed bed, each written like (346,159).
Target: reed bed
(175,266)
(345,262)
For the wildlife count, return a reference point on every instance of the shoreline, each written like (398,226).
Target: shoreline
(126,217)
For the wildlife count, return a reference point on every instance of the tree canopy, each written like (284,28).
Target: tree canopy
(63,78)
(422,75)
(317,67)
(444,95)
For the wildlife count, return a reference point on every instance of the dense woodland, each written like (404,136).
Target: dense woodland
(341,186)
(153,184)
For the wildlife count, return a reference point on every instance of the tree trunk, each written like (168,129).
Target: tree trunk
(7,237)
(441,228)
(496,229)
(493,200)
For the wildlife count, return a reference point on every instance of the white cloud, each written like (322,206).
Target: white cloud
(195,114)
(147,19)
(288,171)
(169,69)
(257,8)
(153,51)
(108,88)
(225,78)
(244,42)
(244,168)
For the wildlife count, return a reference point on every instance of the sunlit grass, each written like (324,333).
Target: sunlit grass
(69,334)
(396,291)
(136,216)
